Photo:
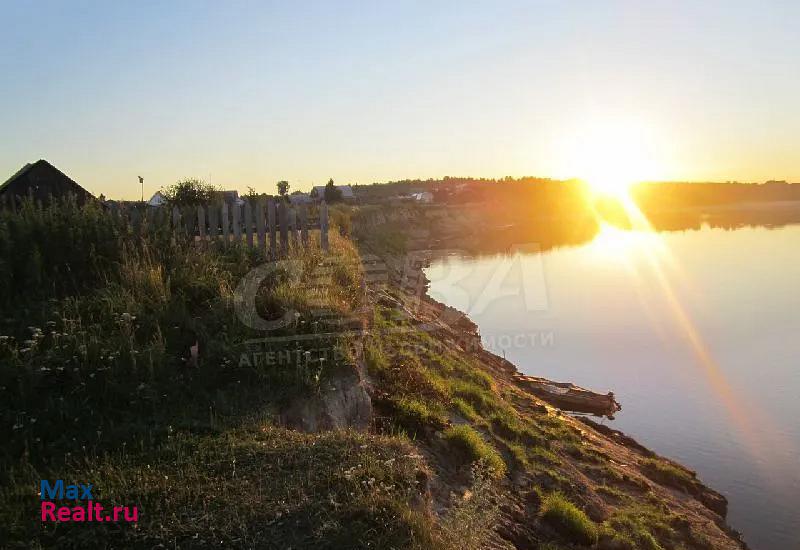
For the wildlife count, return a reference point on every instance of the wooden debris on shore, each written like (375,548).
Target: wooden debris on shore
(568,396)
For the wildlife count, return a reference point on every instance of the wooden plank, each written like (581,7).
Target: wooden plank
(273,246)
(225,224)
(303,215)
(248,223)
(293,226)
(323,226)
(261,226)
(213,221)
(237,223)
(189,218)
(201,223)
(283,221)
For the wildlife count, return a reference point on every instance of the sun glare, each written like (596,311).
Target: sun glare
(612,155)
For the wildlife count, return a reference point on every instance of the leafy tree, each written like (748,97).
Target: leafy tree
(283,188)
(331,193)
(188,192)
(252,194)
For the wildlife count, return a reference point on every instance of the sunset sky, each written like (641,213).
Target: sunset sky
(245,94)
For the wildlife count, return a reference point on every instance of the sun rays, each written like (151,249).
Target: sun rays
(641,242)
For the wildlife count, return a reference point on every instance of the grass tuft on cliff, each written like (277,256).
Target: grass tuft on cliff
(470,448)
(568,520)
(671,475)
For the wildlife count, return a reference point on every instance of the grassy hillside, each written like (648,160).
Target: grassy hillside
(126,361)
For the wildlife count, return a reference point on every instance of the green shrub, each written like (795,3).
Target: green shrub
(568,520)
(471,447)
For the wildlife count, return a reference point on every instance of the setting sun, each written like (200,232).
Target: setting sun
(611,155)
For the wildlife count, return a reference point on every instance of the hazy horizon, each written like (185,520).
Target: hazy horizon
(246,95)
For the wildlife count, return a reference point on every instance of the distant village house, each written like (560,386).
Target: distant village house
(298,197)
(230,197)
(158,199)
(318,192)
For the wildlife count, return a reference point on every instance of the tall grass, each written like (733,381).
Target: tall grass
(64,248)
(99,323)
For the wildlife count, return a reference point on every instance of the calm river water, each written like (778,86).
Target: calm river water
(697,332)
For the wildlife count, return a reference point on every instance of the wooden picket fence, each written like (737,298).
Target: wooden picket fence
(268,225)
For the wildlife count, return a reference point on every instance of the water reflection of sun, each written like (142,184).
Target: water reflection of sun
(644,253)
(617,244)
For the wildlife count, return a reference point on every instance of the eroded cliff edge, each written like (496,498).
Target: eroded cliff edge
(632,497)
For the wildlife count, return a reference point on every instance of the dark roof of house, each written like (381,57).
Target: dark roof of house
(346,190)
(41,179)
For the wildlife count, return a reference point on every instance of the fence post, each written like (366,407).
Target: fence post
(273,252)
(225,224)
(284,224)
(191,222)
(248,223)
(323,226)
(303,213)
(213,221)
(237,223)
(201,223)
(293,226)
(260,228)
